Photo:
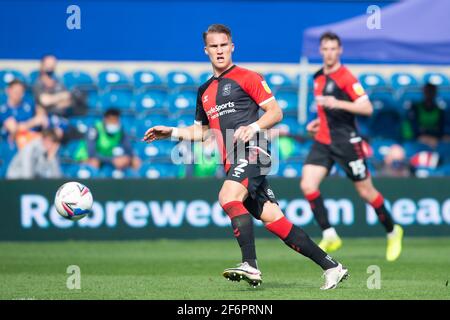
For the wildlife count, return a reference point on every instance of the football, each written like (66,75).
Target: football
(73,201)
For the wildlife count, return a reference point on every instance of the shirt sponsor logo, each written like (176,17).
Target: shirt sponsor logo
(220,110)
(205,99)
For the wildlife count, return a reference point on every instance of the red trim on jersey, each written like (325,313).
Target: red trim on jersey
(245,182)
(234,209)
(312,196)
(378,202)
(251,82)
(323,135)
(281,227)
(346,81)
(214,123)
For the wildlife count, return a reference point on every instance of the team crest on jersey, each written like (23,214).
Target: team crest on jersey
(226,90)
(266,87)
(359,90)
(330,87)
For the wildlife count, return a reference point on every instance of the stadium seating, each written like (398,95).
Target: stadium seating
(279,81)
(148,98)
(179,78)
(159,170)
(147,79)
(77,78)
(7,75)
(204,76)
(117,98)
(151,101)
(112,78)
(182,102)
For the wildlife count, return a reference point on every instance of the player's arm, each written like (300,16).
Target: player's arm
(361,106)
(272,115)
(196,132)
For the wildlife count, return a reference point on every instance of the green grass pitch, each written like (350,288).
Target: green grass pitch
(168,269)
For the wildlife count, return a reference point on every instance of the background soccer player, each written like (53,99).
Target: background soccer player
(339,98)
(228,103)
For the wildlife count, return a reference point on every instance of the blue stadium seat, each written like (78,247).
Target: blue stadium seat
(147,79)
(411,95)
(33,76)
(204,76)
(151,121)
(160,150)
(383,98)
(185,120)
(381,147)
(288,102)
(385,124)
(183,102)
(277,80)
(291,125)
(443,170)
(112,78)
(413,147)
(83,123)
(130,125)
(8,75)
(77,78)
(401,80)
(7,152)
(372,80)
(80,171)
(290,170)
(151,101)
(443,149)
(161,170)
(93,101)
(180,78)
(436,78)
(67,152)
(117,98)
(3,97)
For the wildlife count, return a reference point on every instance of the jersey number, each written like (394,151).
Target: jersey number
(358,168)
(240,168)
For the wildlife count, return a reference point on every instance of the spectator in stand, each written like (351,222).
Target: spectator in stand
(206,159)
(49,92)
(38,159)
(108,144)
(19,119)
(425,120)
(395,163)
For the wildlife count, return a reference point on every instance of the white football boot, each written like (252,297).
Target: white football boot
(246,272)
(333,276)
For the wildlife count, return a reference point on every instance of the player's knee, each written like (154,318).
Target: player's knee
(307,186)
(226,197)
(365,192)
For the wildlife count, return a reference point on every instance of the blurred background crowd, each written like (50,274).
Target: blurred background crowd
(85,125)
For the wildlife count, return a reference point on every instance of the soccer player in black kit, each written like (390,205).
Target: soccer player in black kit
(228,104)
(339,98)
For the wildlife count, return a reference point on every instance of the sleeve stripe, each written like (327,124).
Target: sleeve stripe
(267,101)
(362,98)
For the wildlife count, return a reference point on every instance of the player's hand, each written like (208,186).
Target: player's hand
(313,126)
(329,102)
(244,133)
(157,133)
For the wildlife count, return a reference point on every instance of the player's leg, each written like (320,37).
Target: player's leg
(298,240)
(371,195)
(231,198)
(316,168)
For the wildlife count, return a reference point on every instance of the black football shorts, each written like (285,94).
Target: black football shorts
(250,170)
(349,155)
